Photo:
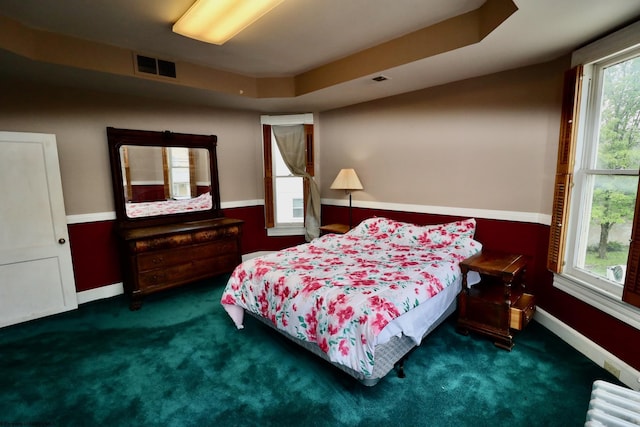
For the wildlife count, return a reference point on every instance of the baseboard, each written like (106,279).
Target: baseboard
(102,292)
(603,358)
(91,217)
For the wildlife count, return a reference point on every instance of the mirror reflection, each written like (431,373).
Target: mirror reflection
(165,180)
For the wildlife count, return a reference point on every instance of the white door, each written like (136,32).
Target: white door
(36,273)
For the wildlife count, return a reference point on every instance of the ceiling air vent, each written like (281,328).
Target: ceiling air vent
(158,67)
(380,78)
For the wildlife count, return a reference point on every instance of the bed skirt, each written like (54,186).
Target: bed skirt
(386,355)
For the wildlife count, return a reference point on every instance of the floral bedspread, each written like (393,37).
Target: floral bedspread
(165,207)
(340,291)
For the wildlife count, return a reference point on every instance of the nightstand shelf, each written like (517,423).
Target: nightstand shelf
(498,305)
(334,228)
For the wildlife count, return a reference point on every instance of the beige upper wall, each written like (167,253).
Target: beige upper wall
(484,143)
(79,120)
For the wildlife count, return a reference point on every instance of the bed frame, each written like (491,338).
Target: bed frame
(388,356)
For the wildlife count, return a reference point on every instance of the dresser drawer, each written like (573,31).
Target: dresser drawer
(186,272)
(522,311)
(170,257)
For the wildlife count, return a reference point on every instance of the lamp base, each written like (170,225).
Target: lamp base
(350,213)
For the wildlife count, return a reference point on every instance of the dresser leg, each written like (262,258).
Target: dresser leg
(462,331)
(506,344)
(135,303)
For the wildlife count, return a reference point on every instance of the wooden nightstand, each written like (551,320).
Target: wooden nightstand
(334,228)
(498,304)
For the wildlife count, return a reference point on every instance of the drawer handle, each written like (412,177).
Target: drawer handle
(157,260)
(157,278)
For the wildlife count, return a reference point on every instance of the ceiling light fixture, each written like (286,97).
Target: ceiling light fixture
(217,21)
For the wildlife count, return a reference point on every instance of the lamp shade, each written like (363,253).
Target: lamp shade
(347,179)
(216,21)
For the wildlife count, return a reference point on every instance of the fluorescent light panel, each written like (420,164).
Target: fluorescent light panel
(217,21)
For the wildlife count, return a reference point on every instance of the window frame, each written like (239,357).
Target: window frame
(586,171)
(273,228)
(565,224)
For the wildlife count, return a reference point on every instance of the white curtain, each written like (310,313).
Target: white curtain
(291,143)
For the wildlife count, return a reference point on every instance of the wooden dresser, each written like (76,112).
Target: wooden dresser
(165,256)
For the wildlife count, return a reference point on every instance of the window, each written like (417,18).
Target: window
(606,176)
(288,188)
(594,244)
(298,208)
(179,171)
(286,193)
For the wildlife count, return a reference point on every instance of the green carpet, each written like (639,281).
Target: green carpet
(179,361)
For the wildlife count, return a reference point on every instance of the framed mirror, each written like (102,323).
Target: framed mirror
(163,177)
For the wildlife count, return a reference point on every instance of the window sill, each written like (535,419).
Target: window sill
(599,299)
(285,231)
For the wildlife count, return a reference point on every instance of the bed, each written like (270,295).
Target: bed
(361,300)
(167,207)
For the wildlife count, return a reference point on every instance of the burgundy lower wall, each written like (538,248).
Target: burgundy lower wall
(523,238)
(147,193)
(94,246)
(531,240)
(155,192)
(254,233)
(95,255)
(95,259)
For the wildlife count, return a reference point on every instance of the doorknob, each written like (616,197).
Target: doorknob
(62,241)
